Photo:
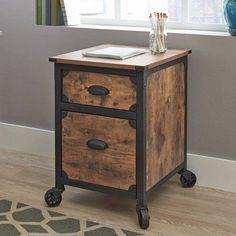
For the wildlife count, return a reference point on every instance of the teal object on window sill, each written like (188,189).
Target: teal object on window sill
(230,15)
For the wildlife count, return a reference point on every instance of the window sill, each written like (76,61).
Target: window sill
(145,29)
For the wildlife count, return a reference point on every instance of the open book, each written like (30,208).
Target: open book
(119,53)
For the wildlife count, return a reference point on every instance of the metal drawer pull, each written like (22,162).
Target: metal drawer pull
(97,144)
(98,90)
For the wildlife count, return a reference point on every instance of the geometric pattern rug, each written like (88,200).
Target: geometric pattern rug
(20,219)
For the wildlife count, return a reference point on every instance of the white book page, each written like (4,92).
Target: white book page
(72,9)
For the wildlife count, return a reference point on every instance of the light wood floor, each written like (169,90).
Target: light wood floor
(174,211)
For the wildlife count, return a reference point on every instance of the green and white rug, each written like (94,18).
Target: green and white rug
(20,219)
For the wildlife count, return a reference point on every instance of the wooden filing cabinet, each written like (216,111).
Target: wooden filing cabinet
(120,125)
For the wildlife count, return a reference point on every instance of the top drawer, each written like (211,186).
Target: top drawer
(105,90)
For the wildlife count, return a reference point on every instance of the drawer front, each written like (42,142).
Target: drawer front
(112,91)
(99,150)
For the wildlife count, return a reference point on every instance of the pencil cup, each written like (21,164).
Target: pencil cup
(157,36)
(157,42)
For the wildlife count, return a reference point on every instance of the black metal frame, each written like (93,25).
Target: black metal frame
(58,147)
(140,117)
(101,111)
(99,188)
(141,141)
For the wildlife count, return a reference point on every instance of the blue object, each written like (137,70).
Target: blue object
(48,12)
(230,15)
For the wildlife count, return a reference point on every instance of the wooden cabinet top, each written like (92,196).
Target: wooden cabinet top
(141,62)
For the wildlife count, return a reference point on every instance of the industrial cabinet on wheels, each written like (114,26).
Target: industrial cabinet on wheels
(120,124)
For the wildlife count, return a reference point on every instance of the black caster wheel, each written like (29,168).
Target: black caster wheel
(188,179)
(143,217)
(53,197)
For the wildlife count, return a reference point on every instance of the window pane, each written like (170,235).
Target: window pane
(92,6)
(174,10)
(205,11)
(133,9)
(100,8)
(139,10)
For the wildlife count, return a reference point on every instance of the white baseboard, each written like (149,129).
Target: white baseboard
(211,172)
(26,139)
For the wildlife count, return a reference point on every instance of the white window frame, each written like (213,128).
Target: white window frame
(117,21)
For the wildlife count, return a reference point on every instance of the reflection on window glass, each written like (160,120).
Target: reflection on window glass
(92,7)
(205,11)
(174,10)
(139,10)
(97,8)
(133,9)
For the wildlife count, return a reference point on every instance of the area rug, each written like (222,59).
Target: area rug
(21,219)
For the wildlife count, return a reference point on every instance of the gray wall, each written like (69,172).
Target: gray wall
(26,82)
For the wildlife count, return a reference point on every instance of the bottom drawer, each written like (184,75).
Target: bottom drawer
(110,161)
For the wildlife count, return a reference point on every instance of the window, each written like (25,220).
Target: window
(183,14)
(92,7)
(97,8)
(205,11)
